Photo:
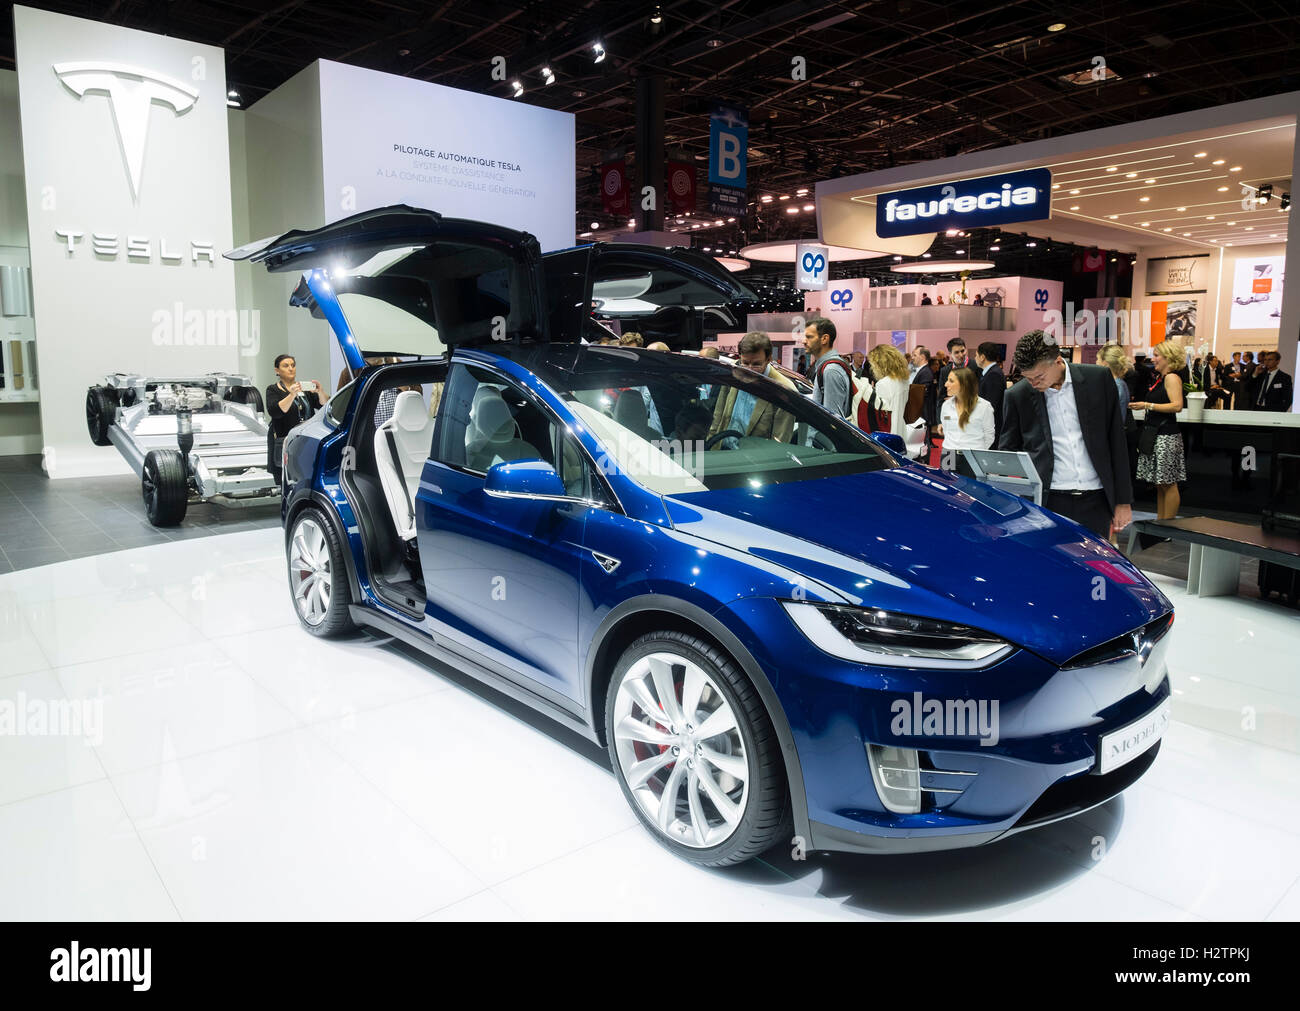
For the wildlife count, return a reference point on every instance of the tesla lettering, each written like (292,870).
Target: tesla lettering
(138,247)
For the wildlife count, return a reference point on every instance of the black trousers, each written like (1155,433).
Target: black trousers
(1088,509)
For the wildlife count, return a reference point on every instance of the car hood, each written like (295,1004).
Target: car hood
(920,541)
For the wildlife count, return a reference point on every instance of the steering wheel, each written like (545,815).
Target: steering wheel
(713,439)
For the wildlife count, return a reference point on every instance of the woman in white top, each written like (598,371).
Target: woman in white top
(966,421)
(889,370)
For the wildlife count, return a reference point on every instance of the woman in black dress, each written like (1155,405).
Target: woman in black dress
(288,403)
(1163,463)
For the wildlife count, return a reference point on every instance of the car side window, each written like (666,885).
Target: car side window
(486,420)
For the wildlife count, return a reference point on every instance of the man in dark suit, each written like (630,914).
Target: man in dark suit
(1067,418)
(1270,388)
(925,377)
(1233,374)
(993,384)
(957,360)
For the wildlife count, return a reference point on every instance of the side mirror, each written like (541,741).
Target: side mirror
(893,443)
(526,479)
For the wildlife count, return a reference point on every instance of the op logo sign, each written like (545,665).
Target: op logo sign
(131,93)
(967,203)
(841,297)
(811,263)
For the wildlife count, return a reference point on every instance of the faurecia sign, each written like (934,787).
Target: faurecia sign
(968,203)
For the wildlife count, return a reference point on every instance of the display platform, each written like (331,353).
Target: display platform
(243,770)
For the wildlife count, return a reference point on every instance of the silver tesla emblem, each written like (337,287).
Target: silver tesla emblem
(131,91)
(608,563)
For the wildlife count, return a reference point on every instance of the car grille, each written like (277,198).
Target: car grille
(1136,643)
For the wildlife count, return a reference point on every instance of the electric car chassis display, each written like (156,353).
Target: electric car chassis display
(190,439)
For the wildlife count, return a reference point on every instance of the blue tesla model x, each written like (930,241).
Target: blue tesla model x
(778,626)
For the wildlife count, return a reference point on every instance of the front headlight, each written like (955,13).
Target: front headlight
(869,635)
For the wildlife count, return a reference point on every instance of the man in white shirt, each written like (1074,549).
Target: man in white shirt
(1067,418)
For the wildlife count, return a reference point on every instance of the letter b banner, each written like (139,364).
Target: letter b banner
(728,145)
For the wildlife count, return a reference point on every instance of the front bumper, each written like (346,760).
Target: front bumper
(1032,763)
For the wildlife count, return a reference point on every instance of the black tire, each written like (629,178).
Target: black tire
(766,820)
(334,618)
(101,409)
(164,487)
(246,395)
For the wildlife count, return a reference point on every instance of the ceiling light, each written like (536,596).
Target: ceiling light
(1075,207)
(1148,181)
(1285,201)
(1250,228)
(1146,224)
(1232,222)
(731,221)
(942,266)
(785,196)
(896,258)
(1217,161)
(1131,175)
(1223,189)
(598,52)
(1209,217)
(1112,168)
(1031,245)
(1227,243)
(1143,200)
(960,252)
(810,207)
(855,84)
(1058,27)
(656,17)
(950,232)
(232,93)
(1200,154)
(994,249)
(708,249)
(595,225)
(1074,193)
(548,75)
(1235,168)
(1166,229)
(1180,209)
(1186,234)
(767,198)
(519,88)
(584,235)
(792,210)
(718,222)
(1056,186)
(713,43)
(925,256)
(1113,217)
(802,191)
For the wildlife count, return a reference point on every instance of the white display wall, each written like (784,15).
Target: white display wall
(127,176)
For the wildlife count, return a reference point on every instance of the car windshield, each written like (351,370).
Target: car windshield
(705,426)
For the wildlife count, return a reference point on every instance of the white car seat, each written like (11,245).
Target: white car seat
(493,435)
(401,447)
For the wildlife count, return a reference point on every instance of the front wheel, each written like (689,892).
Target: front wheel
(318,577)
(694,750)
(164,486)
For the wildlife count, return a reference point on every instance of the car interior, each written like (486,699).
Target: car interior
(485,420)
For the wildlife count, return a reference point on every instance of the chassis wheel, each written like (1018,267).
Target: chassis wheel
(164,486)
(246,395)
(694,750)
(318,577)
(101,408)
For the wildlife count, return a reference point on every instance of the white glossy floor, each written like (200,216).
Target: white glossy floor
(246,770)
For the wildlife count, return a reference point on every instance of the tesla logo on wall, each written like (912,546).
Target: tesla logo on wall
(131,94)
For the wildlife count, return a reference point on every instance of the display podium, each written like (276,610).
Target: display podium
(1008,471)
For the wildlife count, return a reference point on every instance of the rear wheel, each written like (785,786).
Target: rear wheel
(101,409)
(318,578)
(246,395)
(694,750)
(164,486)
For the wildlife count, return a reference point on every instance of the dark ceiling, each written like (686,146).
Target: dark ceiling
(887,83)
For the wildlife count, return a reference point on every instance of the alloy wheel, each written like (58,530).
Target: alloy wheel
(680,750)
(309,572)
